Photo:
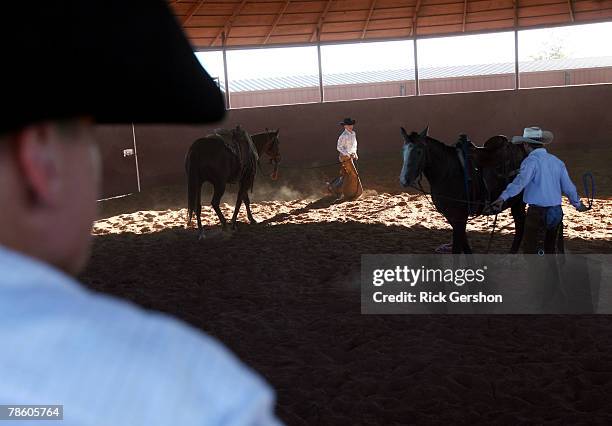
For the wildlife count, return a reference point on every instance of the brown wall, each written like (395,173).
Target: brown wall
(119,172)
(345,92)
(309,132)
(390,89)
(467,84)
(294,95)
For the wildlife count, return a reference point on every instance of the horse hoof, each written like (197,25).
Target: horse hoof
(201,236)
(444,248)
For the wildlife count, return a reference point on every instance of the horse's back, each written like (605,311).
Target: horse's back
(209,143)
(208,157)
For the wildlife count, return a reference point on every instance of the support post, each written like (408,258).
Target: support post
(320,70)
(136,157)
(226,82)
(517,81)
(417,92)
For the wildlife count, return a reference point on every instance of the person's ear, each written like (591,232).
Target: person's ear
(38,159)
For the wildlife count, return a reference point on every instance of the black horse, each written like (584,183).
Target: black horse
(210,160)
(498,161)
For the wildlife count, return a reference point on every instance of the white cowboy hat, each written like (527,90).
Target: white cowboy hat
(534,135)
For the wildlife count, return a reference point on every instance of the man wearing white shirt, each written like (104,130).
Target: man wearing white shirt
(106,361)
(347,141)
(543,178)
(347,149)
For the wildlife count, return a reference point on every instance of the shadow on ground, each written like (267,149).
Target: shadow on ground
(286,299)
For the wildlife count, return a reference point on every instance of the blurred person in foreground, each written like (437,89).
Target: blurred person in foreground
(67,66)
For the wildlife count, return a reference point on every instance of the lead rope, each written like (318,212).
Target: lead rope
(491,234)
(590,195)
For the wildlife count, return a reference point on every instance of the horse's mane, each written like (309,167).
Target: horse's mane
(267,132)
(438,143)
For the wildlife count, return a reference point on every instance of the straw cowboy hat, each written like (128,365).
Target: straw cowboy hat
(347,122)
(534,135)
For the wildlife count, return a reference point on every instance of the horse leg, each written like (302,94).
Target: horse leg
(460,243)
(239,199)
(247,204)
(466,245)
(518,214)
(198,211)
(458,237)
(216,201)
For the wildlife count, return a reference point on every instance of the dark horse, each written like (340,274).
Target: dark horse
(498,161)
(209,160)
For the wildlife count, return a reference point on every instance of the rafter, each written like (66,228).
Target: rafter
(464,14)
(570,4)
(415,17)
(367,22)
(192,12)
(516,6)
(229,22)
(277,20)
(320,21)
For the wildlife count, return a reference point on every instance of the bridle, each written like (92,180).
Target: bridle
(272,147)
(420,166)
(272,151)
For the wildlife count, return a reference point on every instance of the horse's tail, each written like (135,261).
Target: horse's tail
(193,188)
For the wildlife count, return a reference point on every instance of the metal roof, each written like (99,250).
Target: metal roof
(365,77)
(282,22)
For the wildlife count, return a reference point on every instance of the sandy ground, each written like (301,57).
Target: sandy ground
(284,295)
(586,233)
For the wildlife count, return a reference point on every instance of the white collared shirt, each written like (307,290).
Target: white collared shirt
(347,143)
(544,179)
(109,362)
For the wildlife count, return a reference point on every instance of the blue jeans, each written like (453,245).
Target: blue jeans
(543,230)
(553,216)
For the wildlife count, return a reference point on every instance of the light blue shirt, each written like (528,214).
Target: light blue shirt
(109,362)
(544,178)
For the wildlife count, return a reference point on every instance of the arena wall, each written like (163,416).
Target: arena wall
(344,92)
(308,132)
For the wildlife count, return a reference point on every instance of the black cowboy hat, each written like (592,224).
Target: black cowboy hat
(347,122)
(115,61)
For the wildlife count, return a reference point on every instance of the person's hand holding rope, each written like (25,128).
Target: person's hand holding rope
(496,206)
(582,207)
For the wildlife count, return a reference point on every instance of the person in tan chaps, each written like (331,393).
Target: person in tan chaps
(350,188)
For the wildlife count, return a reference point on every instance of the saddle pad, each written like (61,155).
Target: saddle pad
(227,136)
(245,151)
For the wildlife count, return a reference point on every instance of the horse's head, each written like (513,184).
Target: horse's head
(413,154)
(272,149)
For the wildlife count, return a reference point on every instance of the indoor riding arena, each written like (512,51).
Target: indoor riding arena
(283,294)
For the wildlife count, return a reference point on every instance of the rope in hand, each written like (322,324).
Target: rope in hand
(589,190)
(491,234)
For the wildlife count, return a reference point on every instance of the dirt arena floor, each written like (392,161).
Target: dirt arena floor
(284,296)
